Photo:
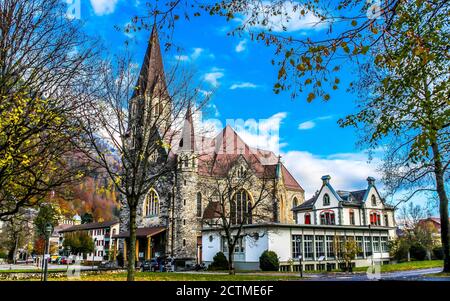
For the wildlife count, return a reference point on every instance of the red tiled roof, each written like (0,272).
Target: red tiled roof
(289,180)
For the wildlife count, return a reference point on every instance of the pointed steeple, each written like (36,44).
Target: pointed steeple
(187,142)
(152,71)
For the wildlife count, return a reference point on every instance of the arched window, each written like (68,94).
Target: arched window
(294,202)
(374,200)
(327,218)
(241,208)
(199,205)
(326,200)
(152,204)
(307,219)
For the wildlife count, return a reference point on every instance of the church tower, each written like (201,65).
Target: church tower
(187,222)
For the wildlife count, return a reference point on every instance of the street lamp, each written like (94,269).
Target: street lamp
(48,232)
(371,243)
(68,256)
(300,257)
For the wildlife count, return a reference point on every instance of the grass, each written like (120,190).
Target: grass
(31,271)
(406,266)
(147,276)
(438,275)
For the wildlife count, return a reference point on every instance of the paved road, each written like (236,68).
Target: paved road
(412,275)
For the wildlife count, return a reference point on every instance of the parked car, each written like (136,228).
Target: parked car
(150,265)
(64,260)
(107,266)
(55,259)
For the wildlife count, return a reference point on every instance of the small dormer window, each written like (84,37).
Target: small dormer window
(374,201)
(326,200)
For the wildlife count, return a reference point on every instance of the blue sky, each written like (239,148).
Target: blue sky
(241,76)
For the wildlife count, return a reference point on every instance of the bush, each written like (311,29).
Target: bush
(220,262)
(418,252)
(269,261)
(438,253)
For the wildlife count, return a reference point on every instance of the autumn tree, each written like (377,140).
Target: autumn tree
(405,102)
(132,126)
(17,233)
(79,243)
(241,192)
(45,65)
(346,251)
(47,215)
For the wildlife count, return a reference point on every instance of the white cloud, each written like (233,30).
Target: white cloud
(104,7)
(213,77)
(310,124)
(290,20)
(307,125)
(241,46)
(182,58)
(348,171)
(196,53)
(243,85)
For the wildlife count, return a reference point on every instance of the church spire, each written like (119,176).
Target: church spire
(151,76)
(187,142)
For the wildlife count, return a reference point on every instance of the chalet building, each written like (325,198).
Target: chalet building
(101,234)
(323,223)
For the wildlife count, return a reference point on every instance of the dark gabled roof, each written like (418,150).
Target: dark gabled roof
(212,210)
(306,205)
(90,226)
(142,232)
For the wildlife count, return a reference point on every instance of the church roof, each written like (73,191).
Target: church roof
(228,147)
(152,70)
(212,210)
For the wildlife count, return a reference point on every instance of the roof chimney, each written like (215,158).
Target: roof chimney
(326,179)
(371,181)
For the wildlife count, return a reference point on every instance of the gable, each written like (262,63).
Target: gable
(327,190)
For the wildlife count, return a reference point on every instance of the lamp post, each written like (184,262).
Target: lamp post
(301,266)
(371,244)
(48,232)
(68,256)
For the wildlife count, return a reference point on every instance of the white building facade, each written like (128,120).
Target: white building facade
(101,234)
(322,223)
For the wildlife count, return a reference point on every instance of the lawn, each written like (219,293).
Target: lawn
(32,271)
(147,276)
(406,266)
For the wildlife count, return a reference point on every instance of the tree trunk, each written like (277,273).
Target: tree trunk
(132,244)
(231,270)
(443,205)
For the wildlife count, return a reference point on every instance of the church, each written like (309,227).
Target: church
(171,217)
